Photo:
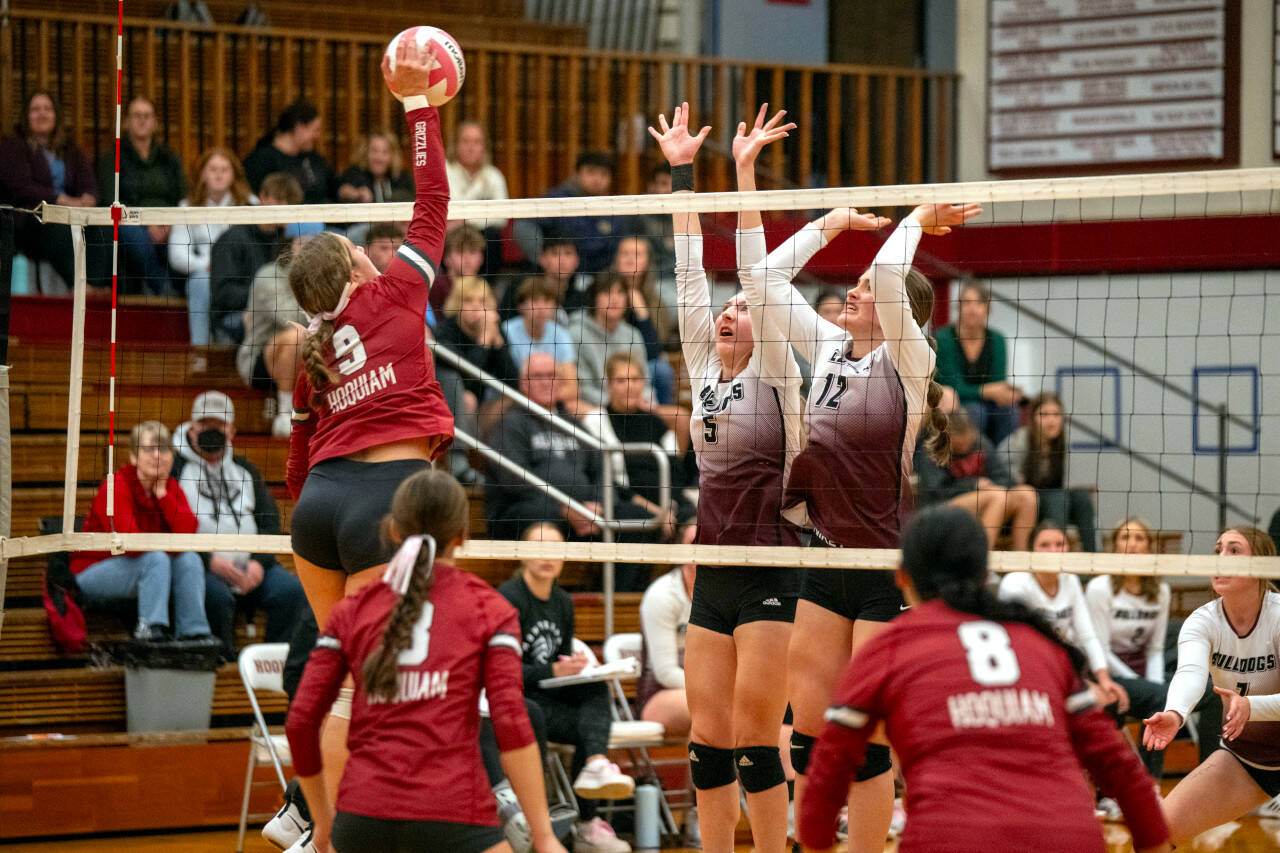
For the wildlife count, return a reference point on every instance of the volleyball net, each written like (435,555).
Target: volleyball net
(1148,304)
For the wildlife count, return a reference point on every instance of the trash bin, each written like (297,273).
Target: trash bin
(168,687)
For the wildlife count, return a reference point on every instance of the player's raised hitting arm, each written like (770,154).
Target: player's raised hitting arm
(418,258)
(697,334)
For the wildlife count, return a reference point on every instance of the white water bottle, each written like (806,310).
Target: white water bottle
(646,798)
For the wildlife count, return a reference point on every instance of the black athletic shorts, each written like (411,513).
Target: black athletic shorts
(725,597)
(337,518)
(855,594)
(1268,780)
(353,833)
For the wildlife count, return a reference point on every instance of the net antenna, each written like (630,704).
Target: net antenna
(117,211)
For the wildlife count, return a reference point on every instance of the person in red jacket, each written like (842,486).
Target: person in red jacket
(422,645)
(987,711)
(147,500)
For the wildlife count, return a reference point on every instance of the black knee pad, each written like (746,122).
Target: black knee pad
(877,762)
(801,746)
(710,766)
(759,768)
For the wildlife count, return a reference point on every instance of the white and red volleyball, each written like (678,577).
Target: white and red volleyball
(451,68)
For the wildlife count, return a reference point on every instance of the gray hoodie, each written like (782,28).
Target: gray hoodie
(594,346)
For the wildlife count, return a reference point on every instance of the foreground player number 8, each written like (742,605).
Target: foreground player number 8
(420,639)
(348,348)
(992,662)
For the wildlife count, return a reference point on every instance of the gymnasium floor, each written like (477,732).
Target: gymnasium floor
(1252,837)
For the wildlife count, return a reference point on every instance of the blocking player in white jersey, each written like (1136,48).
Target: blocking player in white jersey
(1235,640)
(871,394)
(745,430)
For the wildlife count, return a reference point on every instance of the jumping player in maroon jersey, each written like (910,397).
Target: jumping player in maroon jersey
(368,411)
(987,711)
(746,431)
(422,645)
(872,393)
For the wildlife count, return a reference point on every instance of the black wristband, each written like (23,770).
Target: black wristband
(682,178)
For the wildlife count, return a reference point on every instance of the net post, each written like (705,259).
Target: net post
(75,382)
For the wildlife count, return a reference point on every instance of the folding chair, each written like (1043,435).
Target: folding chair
(627,733)
(262,668)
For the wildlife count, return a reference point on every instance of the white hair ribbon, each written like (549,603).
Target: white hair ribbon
(314,325)
(400,570)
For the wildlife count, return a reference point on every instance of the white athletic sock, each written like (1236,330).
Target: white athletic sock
(284,402)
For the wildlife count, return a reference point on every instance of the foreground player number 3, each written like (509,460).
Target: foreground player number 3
(420,639)
(992,662)
(348,348)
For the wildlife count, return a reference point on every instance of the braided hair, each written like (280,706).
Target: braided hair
(429,503)
(944,552)
(318,272)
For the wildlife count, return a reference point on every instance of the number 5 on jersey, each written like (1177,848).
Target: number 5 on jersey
(709,429)
(992,662)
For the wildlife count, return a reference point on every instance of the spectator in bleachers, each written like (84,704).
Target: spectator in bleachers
(469,328)
(659,228)
(1037,456)
(601,331)
(473,177)
(271,354)
(378,174)
(829,303)
(973,363)
(228,495)
(978,479)
(237,256)
(1131,616)
(559,459)
(220,182)
(382,242)
(535,330)
(650,299)
(596,237)
(664,619)
(147,500)
(290,148)
(463,256)
(42,164)
(150,176)
(558,264)
(627,416)
(577,714)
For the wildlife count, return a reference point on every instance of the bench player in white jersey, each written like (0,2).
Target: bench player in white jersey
(745,431)
(872,391)
(1235,640)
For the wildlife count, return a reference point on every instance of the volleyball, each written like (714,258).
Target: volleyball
(450,70)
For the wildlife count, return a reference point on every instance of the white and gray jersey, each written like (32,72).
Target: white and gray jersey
(1209,646)
(851,483)
(1066,611)
(1130,628)
(745,430)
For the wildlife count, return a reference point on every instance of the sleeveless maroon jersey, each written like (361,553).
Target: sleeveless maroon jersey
(417,757)
(386,389)
(991,725)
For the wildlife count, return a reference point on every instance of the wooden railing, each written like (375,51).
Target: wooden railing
(542,106)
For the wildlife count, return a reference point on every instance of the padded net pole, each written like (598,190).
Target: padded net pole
(75,382)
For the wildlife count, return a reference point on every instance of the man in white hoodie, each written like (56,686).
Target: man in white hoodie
(227,494)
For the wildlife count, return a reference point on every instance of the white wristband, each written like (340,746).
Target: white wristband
(415,102)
